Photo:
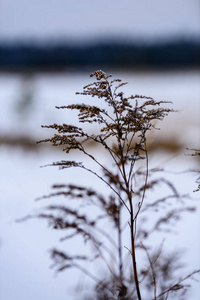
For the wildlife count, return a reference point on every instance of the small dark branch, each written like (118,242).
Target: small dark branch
(177,286)
(174,214)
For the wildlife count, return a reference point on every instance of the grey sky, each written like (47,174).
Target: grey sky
(87,19)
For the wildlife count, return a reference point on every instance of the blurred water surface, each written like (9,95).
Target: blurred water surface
(29,100)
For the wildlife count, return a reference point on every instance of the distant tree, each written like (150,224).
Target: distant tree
(136,269)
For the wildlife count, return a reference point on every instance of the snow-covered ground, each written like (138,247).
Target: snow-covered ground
(29,101)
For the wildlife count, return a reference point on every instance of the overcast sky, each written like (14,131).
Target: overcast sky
(87,19)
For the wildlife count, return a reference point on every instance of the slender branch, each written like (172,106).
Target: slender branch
(145,185)
(152,270)
(133,254)
(175,286)
(107,183)
(120,245)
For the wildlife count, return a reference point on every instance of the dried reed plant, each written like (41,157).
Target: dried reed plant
(196,153)
(122,130)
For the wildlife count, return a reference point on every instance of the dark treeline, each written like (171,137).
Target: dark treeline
(108,54)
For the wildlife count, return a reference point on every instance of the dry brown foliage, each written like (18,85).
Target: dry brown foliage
(123,124)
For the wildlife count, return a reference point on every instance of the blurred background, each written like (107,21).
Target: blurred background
(48,49)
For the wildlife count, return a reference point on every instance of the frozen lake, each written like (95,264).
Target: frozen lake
(29,100)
